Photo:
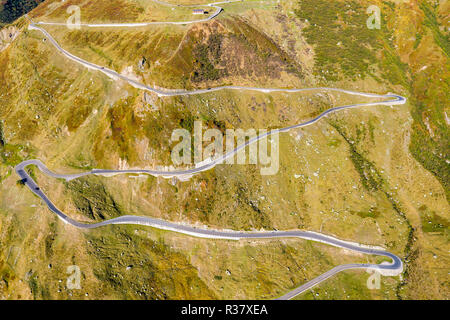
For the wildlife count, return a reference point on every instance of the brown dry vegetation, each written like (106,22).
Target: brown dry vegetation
(354,175)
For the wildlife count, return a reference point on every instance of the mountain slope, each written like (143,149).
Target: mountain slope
(377,175)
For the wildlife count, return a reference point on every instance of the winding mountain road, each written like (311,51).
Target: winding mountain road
(393,268)
(396,99)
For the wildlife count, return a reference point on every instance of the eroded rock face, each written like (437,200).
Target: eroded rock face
(7,35)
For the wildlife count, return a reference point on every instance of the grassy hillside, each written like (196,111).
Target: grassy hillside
(11,10)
